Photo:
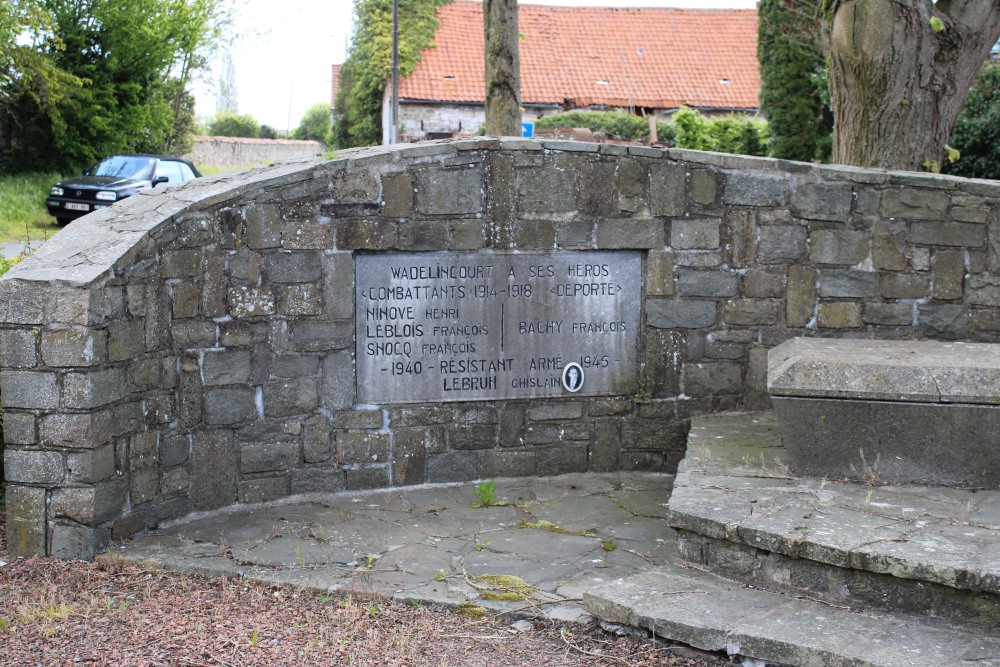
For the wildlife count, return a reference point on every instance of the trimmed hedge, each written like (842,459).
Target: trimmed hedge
(617,124)
(741,135)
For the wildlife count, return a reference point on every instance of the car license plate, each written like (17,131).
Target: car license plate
(77,207)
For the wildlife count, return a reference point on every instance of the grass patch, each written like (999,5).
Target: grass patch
(22,207)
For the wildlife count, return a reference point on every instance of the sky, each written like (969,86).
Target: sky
(284,50)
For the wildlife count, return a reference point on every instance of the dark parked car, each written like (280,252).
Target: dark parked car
(114,178)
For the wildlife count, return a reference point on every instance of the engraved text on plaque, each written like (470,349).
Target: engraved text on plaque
(484,325)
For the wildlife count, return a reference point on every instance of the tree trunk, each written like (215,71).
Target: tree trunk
(503,68)
(899,72)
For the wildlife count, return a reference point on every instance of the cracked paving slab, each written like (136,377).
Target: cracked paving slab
(561,535)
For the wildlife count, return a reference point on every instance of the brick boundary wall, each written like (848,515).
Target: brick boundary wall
(193,347)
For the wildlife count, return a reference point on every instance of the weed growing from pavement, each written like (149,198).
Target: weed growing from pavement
(486,495)
(870,472)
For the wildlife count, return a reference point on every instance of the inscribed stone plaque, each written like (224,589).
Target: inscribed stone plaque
(484,325)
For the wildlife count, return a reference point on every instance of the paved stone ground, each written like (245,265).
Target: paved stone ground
(561,535)
(829,552)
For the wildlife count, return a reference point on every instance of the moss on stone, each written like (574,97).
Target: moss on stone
(505,587)
(471,610)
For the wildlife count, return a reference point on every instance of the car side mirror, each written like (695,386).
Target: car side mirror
(160,179)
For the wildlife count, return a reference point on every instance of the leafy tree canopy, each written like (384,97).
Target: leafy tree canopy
(234,125)
(794,96)
(366,70)
(741,135)
(315,124)
(102,76)
(977,133)
(620,124)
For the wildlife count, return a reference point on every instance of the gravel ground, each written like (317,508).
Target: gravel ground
(58,612)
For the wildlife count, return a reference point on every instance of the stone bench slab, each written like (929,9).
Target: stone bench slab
(886,370)
(910,412)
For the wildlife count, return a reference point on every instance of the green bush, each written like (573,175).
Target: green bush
(315,124)
(977,133)
(617,124)
(233,125)
(741,135)
(81,80)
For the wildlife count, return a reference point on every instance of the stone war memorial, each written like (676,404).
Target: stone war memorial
(485,308)
(411,315)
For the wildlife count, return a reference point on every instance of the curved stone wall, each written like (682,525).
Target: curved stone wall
(194,347)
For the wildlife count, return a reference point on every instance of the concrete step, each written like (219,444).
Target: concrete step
(714,614)
(741,512)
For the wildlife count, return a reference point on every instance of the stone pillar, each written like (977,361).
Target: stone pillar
(56,385)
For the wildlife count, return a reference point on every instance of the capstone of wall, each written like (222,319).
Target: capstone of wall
(241,152)
(193,347)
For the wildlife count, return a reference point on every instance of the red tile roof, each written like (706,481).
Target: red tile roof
(334,83)
(650,57)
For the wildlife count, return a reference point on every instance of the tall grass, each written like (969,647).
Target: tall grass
(22,207)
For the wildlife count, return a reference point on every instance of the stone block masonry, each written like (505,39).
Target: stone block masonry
(195,347)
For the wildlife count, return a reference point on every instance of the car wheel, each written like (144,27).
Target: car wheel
(62,222)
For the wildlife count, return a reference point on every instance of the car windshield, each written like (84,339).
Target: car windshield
(124,166)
